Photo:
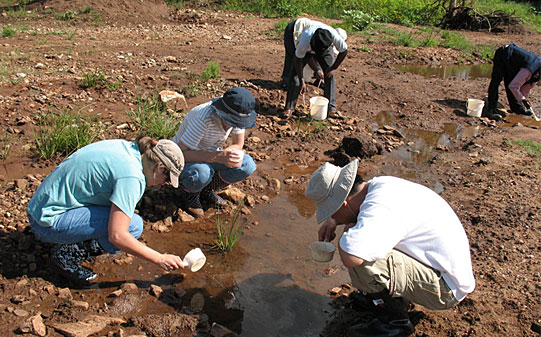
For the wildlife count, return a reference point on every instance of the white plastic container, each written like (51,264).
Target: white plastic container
(475,107)
(318,107)
(322,251)
(194,259)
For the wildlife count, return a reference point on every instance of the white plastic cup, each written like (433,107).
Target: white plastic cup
(322,251)
(241,154)
(475,107)
(194,259)
(318,107)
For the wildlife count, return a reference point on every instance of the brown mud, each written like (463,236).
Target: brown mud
(410,125)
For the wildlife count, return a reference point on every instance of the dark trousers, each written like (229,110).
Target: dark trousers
(289,73)
(501,69)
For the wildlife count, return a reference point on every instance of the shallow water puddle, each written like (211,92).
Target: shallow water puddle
(465,72)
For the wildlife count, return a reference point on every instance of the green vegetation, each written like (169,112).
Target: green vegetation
(97,78)
(8,31)
(212,71)
(532,147)
(528,14)
(5,146)
(64,133)
(228,237)
(152,118)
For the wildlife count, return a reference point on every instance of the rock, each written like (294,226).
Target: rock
(218,330)
(233,193)
(185,217)
(64,293)
(275,184)
(21,183)
(168,221)
(18,299)
(80,305)
(159,227)
(23,282)
(34,325)
(226,37)
(116,293)
(40,66)
(155,290)
(250,200)
(20,313)
(88,326)
(129,287)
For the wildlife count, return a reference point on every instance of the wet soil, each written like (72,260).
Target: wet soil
(409,125)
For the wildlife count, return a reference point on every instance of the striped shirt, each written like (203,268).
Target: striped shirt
(202,130)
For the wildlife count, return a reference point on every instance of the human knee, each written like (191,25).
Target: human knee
(196,176)
(136,226)
(248,165)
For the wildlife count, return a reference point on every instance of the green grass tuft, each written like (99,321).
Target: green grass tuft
(229,237)
(63,134)
(152,118)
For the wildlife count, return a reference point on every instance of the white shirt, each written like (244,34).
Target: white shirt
(202,130)
(413,219)
(303,43)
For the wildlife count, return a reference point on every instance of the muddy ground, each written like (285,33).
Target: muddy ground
(492,183)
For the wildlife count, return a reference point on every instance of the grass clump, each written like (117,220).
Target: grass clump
(64,133)
(212,71)
(5,146)
(8,31)
(532,147)
(152,118)
(228,237)
(97,78)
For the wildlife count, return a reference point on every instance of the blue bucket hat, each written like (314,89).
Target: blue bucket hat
(236,108)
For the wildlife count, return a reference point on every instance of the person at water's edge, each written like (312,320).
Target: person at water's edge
(401,242)
(307,41)
(520,71)
(202,135)
(86,205)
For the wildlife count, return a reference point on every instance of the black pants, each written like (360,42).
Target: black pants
(289,73)
(501,69)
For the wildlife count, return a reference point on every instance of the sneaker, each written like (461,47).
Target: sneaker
(192,203)
(67,260)
(377,328)
(212,198)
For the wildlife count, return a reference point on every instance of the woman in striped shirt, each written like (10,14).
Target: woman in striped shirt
(201,136)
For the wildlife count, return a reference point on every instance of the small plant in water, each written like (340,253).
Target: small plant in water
(229,237)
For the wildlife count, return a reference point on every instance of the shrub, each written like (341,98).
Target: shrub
(358,19)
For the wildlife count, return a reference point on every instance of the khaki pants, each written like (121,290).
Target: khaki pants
(403,276)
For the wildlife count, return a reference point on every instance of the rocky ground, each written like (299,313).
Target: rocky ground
(491,182)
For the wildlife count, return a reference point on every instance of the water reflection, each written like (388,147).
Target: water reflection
(464,72)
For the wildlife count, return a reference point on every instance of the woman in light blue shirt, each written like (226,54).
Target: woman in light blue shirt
(87,203)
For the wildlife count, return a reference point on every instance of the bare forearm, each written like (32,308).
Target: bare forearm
(129,244)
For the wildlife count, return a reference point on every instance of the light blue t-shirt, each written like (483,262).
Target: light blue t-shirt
(105,172)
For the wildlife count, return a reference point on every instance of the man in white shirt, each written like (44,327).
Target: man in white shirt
(401,242)
(203,132)
(307,41)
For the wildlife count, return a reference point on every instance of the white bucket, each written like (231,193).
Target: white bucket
(475,107)
(318,107)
